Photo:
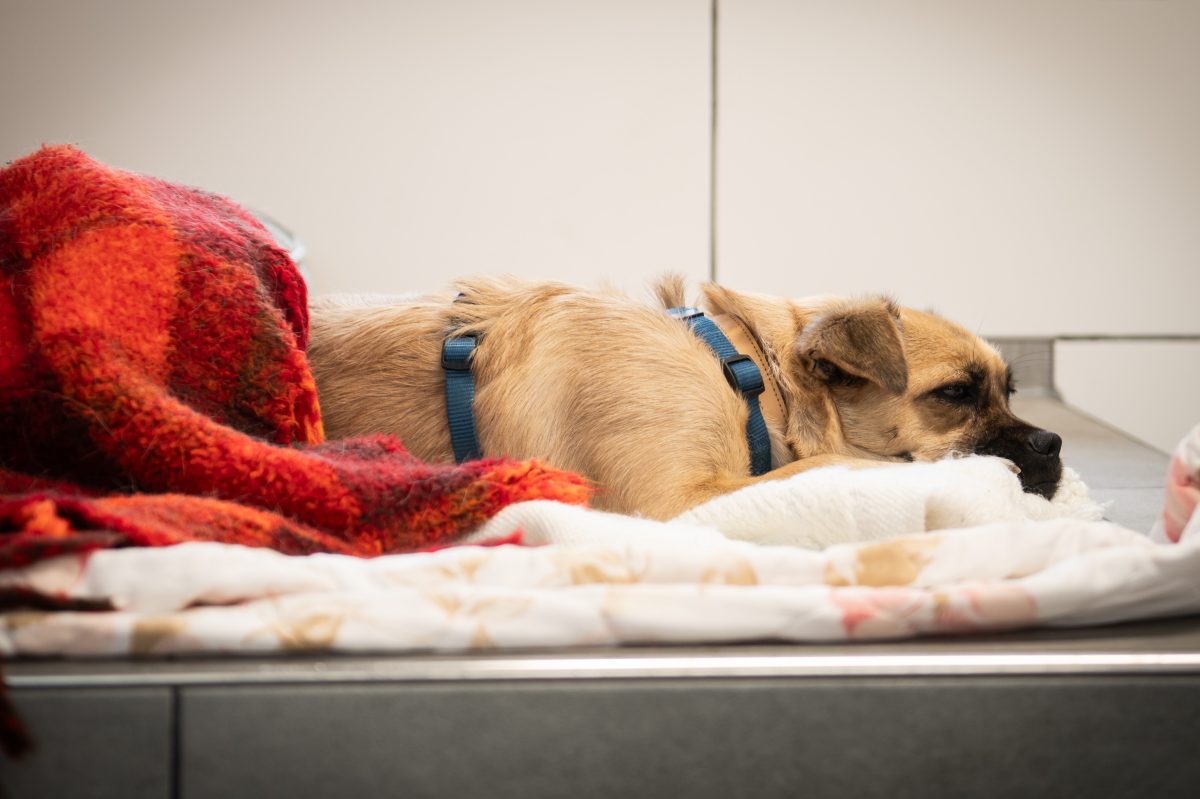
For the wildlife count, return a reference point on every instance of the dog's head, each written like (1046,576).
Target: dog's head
(872,379)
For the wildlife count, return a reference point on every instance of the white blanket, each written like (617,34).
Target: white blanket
(827,555)
(818,508)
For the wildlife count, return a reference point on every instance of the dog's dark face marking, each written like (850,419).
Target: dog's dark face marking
(956,400)
(1034,451)
(981,402)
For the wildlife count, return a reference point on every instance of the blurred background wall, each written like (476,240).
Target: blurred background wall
(1030,168)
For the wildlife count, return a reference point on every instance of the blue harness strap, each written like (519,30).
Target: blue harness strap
(739,369)
(743,376)
(460,396)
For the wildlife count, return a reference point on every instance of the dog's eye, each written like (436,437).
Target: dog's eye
(958,393)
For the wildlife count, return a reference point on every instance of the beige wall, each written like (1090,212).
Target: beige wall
(1029,167)
(1149,389)
(404,142)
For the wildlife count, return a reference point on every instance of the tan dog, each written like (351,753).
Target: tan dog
(630,398)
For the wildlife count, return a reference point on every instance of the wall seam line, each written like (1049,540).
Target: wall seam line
(712,147)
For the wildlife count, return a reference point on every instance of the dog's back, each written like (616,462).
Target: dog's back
(589,381)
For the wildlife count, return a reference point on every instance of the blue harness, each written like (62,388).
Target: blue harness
(739,369)
(743,376)
(460,396)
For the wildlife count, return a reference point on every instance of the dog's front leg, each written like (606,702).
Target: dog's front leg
(725,484)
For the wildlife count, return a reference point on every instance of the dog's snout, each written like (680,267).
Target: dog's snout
(1034,451)
(1045,443)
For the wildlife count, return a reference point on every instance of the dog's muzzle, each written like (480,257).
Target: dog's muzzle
(1034,451)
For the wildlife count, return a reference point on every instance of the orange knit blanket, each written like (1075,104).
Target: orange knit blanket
(154,388)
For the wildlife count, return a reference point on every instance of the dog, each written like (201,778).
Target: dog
(619,391)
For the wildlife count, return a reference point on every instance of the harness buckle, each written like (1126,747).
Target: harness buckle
(684,313)
(456,353)
(743,375)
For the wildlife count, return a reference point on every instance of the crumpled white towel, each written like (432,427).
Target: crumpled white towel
(819,508)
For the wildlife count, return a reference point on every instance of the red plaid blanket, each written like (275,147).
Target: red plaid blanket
(154,388)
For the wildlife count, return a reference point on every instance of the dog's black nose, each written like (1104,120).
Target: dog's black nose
(1033,450)
(1045,443)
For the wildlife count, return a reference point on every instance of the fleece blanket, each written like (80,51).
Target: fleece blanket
(154,387)
(958,549)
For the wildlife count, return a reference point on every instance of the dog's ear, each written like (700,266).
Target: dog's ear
(856,340)
(766,318)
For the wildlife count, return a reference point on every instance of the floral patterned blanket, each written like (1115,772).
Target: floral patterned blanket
(963,553)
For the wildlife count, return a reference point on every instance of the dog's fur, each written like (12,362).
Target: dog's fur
(618,391)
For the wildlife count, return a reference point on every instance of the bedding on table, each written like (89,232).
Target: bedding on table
(165,488)
(905,550)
